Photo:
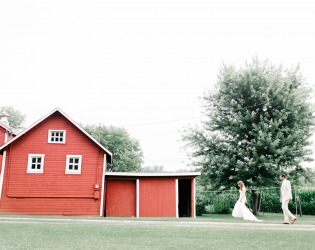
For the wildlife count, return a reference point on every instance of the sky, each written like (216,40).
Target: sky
(137,62)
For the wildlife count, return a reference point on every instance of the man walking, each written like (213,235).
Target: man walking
(286,197)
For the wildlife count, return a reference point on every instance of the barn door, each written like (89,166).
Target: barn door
(121,198)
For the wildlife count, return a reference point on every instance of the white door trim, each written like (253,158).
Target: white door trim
(176,190)
(137,198)
(103,182)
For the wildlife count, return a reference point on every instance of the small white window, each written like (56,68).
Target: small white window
(57,136)
(73,164)
(35,164)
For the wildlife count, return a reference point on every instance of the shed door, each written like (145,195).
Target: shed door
(121,198)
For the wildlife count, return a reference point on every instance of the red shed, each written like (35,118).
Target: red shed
(53,167)
(150,194)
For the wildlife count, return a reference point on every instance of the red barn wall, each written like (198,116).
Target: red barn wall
(2,141)
(157,198)
(121,198)
(2,135)
(53,192)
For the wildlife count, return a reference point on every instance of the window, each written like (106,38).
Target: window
(57,136)
(73,164)
(35,164)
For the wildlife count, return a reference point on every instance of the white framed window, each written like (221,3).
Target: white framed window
(73,165)
(35,164)
(57,136)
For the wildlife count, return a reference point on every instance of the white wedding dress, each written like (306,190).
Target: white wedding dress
(240,210)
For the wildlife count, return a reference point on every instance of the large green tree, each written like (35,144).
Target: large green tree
(16,118)
(258,126)
(127,152)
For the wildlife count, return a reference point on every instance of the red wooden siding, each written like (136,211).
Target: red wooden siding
(2,135)
(121,198)
(53,192)
(2,141)
(157,198)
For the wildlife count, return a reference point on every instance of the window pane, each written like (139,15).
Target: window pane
(33,160)
(60,139)
(52,139)
(70,167)
(57,134)
(39,159)
(33,166)
(71,160)
(61,134)
(76,160)
(56,139)
(52,134)
(38,166)
(75,167)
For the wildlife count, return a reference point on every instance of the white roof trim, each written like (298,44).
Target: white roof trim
(66,116)
(151,174)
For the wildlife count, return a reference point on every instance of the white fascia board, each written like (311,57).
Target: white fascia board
(128,174)
(66,116)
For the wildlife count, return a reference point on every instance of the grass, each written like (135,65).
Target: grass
(30,232)
(270,218)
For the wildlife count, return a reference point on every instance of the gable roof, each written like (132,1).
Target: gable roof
(109,154)
(8,128)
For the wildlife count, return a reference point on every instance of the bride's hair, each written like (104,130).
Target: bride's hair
(241,184)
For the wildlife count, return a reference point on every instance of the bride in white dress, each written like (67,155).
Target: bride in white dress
(240,210)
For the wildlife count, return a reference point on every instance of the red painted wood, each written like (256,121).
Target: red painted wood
(157,198)
(2,135)
(53,192)
(2,141)
(121,198)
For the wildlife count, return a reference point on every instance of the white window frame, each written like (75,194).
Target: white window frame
(68,171)
(29,165)
(56,142)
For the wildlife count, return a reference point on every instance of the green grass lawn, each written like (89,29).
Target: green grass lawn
(270,218)
(32,232)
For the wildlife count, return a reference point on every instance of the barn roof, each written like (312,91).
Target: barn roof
(109,154)
(8,128)
(128,174)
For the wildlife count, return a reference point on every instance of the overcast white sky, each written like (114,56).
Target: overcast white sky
(134,62)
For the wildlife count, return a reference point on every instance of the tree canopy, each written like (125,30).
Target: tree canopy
(153,169)
(16,118)
(127,152)
(258,126)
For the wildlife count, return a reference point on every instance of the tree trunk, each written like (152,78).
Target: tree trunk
(256,202)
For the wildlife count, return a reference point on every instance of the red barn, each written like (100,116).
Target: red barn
(54,167)
(150,194)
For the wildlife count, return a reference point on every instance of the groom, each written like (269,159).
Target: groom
(286,197)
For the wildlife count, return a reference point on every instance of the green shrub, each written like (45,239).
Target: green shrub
(200,205)
(222,207)
(223,203)
(271,202)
